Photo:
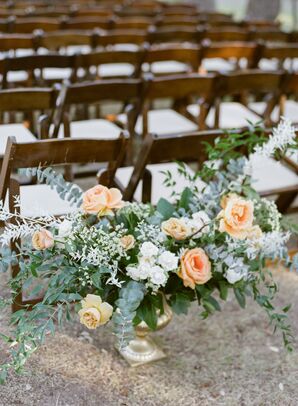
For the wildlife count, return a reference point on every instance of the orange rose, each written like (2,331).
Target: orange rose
(237,217)
(101,201)
(195,268)
(42,239)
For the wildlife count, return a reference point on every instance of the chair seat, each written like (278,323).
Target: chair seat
(41,200)
(98,129)
(268,64)
(217,65)
(56,73)
(165,67)
(19,131)
(17,76)
(290,111)
(270,175)
(163,122)
(158,188)
(116,69)
(232,115)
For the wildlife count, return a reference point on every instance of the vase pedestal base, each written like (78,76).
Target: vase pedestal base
(142,350)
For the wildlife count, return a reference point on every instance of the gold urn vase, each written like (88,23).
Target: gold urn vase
(143,349)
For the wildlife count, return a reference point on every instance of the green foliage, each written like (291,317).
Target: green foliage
(66,190)
(165,208)
(130,297)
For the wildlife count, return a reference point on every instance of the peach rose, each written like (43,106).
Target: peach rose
(175,228)
(224,200)
(42,239)
(237,217)
(94,311)
(101,200)
(127,242)
(195,268)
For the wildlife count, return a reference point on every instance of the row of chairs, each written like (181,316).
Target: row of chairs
(45,69)
(28,25)
(191,102)
(88,40)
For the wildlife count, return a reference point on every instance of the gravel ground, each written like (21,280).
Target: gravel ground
(230,359)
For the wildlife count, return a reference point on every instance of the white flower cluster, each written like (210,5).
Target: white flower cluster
(283,135)
(101,248)
(272,244)
(150,232)
(153,266)
(273,216)
(141,210)
(237,269)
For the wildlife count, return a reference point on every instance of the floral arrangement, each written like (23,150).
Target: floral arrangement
(115,261)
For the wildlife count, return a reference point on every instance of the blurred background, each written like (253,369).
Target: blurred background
(286,11)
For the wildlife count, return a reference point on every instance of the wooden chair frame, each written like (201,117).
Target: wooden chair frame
(51,153)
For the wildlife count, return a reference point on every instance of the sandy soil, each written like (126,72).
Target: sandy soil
(230,359)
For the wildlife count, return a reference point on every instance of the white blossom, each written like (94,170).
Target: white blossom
(148,249)
(168,261)
(64,228)
(283,135)
(158,276)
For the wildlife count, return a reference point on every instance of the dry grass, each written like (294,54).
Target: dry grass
(230,359)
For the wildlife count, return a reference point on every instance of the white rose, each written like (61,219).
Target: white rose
(148,249)
(158,276)
(133,272)
(168,261)
(64,229)
(233,276)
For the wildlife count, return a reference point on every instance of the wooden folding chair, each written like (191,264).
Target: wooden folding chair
(239,110)
(36,107)
(121,39)
(124,91)
(271,179)
(166,59)
(131,23)
(268,35)
(28,24)
(114,63)
(41,70)
(68,41)
(174,34)
(87,23)
(226,34)
(44,154)
(180,89)
(228,56)
(277,56)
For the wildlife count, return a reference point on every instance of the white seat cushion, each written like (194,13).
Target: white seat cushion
(41,200)
(268,64)
(163,122)
(158,188)
(217,64)
(17,76)
(291,110)
(74,49)
(97,129)
(56,73)
(116,69)
(164,67)
(269,174)
(232,115)
(19,131)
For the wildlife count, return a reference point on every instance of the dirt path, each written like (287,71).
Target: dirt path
(230,359)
